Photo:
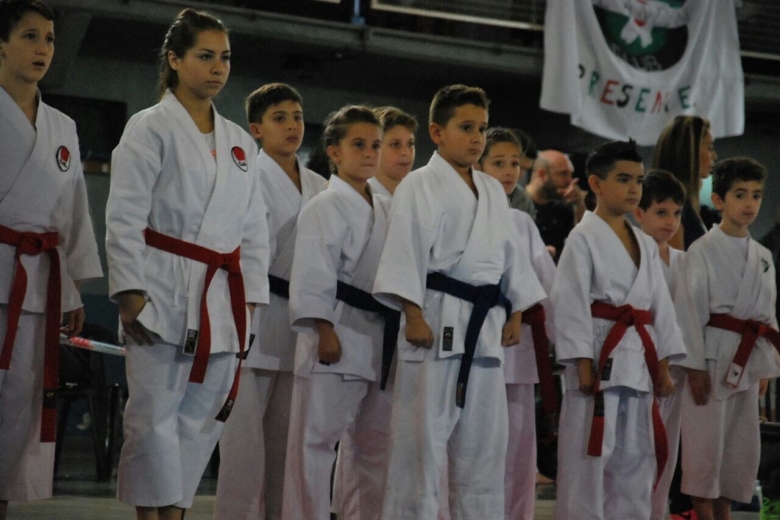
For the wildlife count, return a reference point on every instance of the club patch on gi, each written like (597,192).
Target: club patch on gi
(63,158)
(239,157)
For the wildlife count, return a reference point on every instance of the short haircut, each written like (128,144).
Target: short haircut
(392,116)
(259,101)
(527,145)
(12,12)
(602,160)
(677,150)
(447,99)
(737,169)
(660,186)
(499,134)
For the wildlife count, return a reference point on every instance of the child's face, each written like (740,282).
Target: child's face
(397,152)
(502,162)
(661,220)
(30,47)
(462,140)
(204,68)
(621,191)
(281,128)
(357,155)
(741,205)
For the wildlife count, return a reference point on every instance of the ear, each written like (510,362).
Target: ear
(173,61)
(639,215)
(435,130)
(717,201)
(256,129)
(595,184)
(334,153)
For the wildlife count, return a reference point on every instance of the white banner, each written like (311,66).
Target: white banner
(624,68)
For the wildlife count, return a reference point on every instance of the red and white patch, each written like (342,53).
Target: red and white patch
(63,158)
(239,157)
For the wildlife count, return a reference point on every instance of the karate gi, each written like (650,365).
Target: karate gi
(254,441)
(721,444)
(670,405)
(165,178)
(340,239)
(439,226)
(520,372)
(354,469)
(596,267)
(42,190)
(379,188)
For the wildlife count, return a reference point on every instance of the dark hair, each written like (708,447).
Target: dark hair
(259,101)
(527,145)
(12,12)
(447,99)
(677,150)
(660,186)
(602,160)
(728,171)
(499,134)
(180,38)
(337,124)
(392,116)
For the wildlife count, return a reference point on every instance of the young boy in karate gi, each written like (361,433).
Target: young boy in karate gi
(254,441)
(615,332)
(725,302)
(658,214)
(449,246)
(528,363)
(47,247)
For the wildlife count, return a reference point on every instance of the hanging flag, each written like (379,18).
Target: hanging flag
(624,68)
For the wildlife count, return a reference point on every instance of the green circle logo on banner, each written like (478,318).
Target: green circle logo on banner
(640,43)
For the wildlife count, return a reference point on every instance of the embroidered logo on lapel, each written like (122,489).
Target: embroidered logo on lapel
(63,158)
(239,157)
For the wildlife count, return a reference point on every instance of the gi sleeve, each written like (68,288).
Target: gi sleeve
(77,237)
(571,301)
(692,304)
(413,230)
(135,166)
(519,282)
(255,247)
(544,267)
(317,260)
(669,343)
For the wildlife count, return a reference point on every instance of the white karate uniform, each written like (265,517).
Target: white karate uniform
(595,266)
(340,238)
(42,190)
(379,188)
(438,225)
(670,406)
(521,375)
(352,482)
(721,445)
(164,177)
(254,441)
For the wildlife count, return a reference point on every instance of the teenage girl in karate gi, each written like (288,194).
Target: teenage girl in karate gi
(46,248)
(187,247)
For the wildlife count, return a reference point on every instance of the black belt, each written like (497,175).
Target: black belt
(364,301)
(360,299)
(484,298)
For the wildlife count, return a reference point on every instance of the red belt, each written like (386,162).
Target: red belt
(750,330)
(624,317)
(214,260)
(28,243)
(535,318)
